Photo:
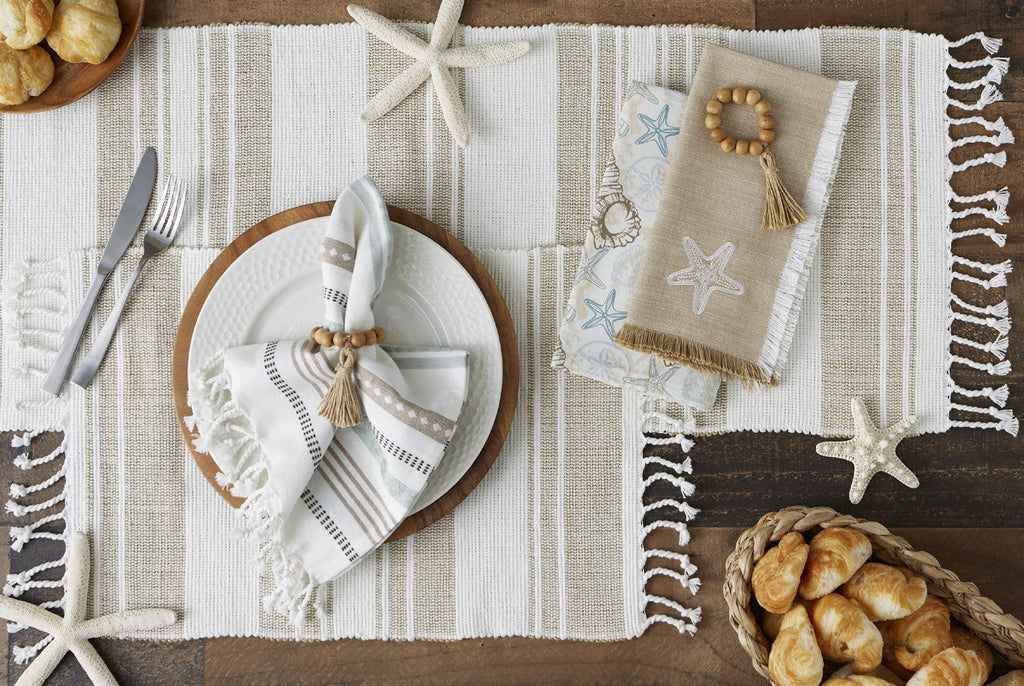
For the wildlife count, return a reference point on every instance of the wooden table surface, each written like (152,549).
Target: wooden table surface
(969,510)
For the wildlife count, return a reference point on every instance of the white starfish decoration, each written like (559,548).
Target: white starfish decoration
(433,61)
(72,631)
(706,274)
(871,450)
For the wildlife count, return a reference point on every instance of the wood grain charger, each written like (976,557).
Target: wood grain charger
(72,81)
(502,319)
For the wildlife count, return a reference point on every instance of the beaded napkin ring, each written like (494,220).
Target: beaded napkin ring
(780,209)
(340,405)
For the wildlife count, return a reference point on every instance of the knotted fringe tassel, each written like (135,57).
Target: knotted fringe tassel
(341,404)
(781,210)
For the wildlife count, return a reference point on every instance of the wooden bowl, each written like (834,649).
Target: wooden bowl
(502,319)
(72,81)
(986,620)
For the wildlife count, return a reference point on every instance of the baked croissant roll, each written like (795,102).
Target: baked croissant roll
(951,667)
(23,73)
(23,23)
(920,636)
(795,659)
(857,680)
(885,592)
(777,574)
(1014,678)
(962,638)
(84,30)
(834,555)
(845,633)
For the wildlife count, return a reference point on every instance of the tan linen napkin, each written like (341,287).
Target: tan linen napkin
(715,290)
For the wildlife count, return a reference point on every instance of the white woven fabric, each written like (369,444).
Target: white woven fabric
(549,544)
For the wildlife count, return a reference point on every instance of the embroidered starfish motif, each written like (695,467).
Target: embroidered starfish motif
(653,383)
(658,130)
(433,61)
(605,314)
(871,450)
(706,274)
(587,265)
(638,87)
(72,631)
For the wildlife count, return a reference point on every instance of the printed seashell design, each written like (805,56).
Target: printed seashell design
(615,222)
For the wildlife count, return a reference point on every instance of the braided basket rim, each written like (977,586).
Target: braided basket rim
(1002,631)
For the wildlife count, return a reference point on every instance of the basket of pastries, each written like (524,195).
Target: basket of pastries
(819,597)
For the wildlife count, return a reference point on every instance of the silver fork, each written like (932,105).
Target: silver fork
(159,237)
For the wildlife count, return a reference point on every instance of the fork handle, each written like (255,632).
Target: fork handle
(58,374)
(83,377)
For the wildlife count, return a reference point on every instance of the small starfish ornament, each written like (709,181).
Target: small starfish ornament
(433,61)
(871,450)
(706,274)
(72,631)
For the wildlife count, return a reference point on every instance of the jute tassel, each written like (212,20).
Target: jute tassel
(781,211)
(341,404)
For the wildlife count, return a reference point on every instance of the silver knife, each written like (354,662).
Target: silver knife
(127,225)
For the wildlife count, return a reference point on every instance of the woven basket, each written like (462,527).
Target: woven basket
(1002,631)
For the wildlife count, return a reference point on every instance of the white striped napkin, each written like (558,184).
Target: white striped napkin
(318,497)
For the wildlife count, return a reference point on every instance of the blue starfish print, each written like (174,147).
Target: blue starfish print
(587,266)
(653,383)
(641,88)
(605,314)
(657,130)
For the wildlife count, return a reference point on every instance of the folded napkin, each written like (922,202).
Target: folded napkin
(626,203)
(319,497)
(715,289)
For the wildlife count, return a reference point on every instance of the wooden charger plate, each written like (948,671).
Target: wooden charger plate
(502,319)
(72,81)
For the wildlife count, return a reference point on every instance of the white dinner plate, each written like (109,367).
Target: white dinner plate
(272,292)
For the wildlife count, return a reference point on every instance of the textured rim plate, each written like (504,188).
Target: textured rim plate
(272,291)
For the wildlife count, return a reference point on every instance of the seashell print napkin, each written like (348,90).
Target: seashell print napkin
(319,497)
(627,201)
(716,290)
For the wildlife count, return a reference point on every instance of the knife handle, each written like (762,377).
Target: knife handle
(58,374)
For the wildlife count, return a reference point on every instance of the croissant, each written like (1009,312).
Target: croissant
(23,23)
(845,633)
(962,638)
(920,636)
(795,659)
(857,680)
(1014,678)
(885,592)
(834,555)
(951,667)
(880,672)
(84,30)
(23,73)
(777,574)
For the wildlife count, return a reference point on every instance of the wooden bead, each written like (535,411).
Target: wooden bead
(358,339)
(739,95)
(756,148)
(371,337)
(724,95)
(324,337)
(753,96)
(339,339)
(729,144)
(742,147)
(381,334)
(718,135)
(712,121)
(713,107)
(767,136)
(312,333)
(766,121)
(763,107)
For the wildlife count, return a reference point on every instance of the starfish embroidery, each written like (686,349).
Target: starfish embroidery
(638,87)
(587,265)
(653,383)
(871,450)
(658,130)
(605,314)
(72,631)
(706,274)
(433,61)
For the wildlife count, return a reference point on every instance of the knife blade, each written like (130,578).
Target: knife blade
(129,218)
